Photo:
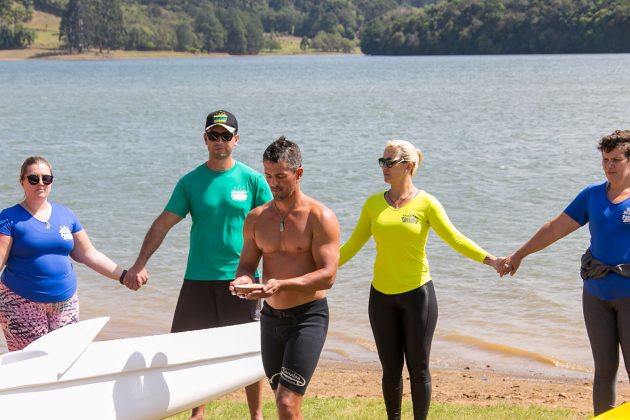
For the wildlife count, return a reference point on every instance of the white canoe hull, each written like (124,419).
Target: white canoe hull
(135,378)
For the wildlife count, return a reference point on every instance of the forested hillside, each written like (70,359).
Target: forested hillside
(380,26)
(232,26)
(502,27)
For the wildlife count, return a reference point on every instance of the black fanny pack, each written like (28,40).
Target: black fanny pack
(595,269)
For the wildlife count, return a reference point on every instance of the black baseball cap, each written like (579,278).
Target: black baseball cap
(224,119)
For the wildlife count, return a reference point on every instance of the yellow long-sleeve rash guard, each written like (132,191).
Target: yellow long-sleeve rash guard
(401,234)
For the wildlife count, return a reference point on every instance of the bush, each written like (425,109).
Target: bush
(328,42)
(15,39)
(272,44)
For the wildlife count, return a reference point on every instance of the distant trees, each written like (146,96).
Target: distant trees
(201,26)
(383,26)
(76,29)
(212,33)
(109,31)
(502,27)
(13,34)
(331,43)
(92,23)
(55,7)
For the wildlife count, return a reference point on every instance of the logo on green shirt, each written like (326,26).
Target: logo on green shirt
(239,194)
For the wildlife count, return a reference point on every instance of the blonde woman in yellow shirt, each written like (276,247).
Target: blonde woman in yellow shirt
(403,307)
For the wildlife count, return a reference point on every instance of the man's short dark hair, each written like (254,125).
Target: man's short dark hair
(616,138)
(284,150)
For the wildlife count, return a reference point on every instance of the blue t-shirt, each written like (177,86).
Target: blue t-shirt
(609,225)
(38,266)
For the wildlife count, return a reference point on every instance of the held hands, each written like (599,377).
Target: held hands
(495,262)
(501,265)
(510,264)
(136,278)
(504,265)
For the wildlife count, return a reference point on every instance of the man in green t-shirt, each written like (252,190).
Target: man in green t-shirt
(218,194)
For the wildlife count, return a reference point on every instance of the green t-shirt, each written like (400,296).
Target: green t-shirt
(218,202)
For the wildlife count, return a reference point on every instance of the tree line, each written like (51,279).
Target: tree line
(379,26)
(13,34)
(502,27)
(232,26)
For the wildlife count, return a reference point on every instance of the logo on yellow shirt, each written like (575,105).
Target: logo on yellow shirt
(410,218)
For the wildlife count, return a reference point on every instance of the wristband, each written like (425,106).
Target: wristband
(122,277)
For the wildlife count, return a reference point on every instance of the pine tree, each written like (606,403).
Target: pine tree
(236,38)
(109,32)
(76,30)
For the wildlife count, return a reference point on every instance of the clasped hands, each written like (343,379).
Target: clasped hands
(505,265)
(136,278)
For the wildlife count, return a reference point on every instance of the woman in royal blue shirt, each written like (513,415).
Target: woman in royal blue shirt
(605,206)
(38,287)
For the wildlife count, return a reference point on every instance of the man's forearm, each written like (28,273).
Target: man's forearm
(152,241)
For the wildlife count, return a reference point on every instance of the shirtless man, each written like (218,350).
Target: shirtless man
(298,240)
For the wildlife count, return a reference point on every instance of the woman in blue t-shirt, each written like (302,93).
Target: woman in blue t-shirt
(38,287)
(605,206)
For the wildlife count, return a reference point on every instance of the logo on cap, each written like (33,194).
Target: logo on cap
(219,118)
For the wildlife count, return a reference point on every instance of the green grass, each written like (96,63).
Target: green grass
(290,45)
(46,27)
(318,408)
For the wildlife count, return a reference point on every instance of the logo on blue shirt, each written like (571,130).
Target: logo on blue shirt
(65,233)
(625,217)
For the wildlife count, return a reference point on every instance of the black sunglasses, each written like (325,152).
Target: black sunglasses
(34,179)
(388,163)
(214,136)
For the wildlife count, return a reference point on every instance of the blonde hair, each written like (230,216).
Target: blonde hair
(32,160)
(407,152)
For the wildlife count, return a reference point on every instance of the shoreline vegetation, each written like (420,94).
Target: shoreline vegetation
(56,54)
(290,45)
(47,47)
(343,390)
(53,29)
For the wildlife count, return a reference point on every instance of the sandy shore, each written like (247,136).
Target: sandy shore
(459,386)
(54,54)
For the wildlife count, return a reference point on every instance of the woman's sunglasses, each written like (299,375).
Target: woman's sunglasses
(214,136)
(34,179)
(388,163)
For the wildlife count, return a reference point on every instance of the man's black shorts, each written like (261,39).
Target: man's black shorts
(292,340)
(209,304)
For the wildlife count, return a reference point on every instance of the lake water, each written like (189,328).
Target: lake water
(508,142)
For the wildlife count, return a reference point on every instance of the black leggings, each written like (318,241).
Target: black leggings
(608,326)
(403,326)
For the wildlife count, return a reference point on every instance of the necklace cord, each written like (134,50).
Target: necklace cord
(396,204)
(281,216)
(34,214)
